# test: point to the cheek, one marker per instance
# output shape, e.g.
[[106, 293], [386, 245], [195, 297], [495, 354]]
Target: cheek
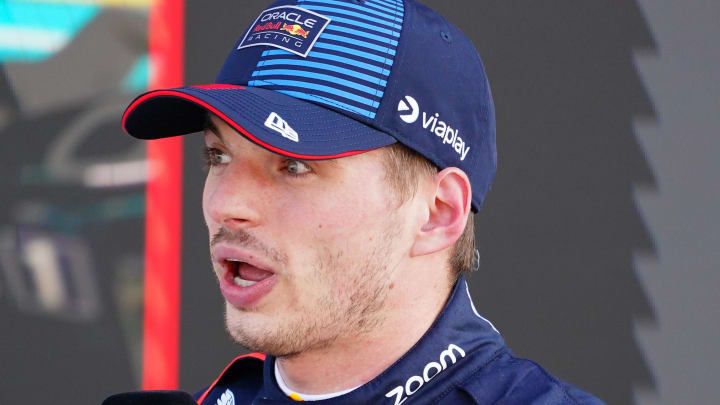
[[338, 216], [211, 226], [204, 203], [205, 198], [208, 189]]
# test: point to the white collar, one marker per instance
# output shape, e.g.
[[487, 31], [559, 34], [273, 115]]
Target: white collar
[[305, 397]]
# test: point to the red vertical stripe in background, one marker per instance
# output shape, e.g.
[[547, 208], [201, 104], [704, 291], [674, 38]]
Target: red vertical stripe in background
[[161, 342]]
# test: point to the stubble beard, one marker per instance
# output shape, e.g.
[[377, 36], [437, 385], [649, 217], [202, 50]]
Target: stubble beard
[[352, 303]]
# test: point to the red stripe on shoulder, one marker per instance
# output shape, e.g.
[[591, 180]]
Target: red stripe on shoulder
[[257, 356]]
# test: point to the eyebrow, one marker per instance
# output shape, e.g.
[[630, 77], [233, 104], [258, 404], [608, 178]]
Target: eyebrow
[[209, 125], [331, 162]]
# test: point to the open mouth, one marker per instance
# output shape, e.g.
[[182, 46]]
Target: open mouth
[[244, 274]]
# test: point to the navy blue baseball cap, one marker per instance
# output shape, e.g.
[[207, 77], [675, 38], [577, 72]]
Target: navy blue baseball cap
[[324, 79]]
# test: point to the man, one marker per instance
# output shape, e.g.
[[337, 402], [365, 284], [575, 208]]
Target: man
[[348, 143]]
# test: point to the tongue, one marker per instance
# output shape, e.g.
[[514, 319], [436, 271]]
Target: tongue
[[251, 273]]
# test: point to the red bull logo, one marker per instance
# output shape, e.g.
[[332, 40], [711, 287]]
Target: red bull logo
[[296, 30], [268, 26]]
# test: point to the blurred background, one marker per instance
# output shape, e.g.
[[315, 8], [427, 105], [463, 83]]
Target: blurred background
[[600, 240]]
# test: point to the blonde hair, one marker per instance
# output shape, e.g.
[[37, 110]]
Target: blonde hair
[[403, 170]]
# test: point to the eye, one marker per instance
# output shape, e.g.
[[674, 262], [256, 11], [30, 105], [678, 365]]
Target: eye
[[214, 157], [297, 167]]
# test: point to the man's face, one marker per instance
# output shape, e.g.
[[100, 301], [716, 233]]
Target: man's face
[[305, 251]]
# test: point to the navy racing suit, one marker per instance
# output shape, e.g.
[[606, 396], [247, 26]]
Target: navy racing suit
[[461, 359]]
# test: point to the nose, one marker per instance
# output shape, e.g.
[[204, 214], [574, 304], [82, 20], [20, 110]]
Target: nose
[[233, 197]]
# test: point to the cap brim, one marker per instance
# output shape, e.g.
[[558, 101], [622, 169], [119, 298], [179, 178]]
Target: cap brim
[[319, 133]]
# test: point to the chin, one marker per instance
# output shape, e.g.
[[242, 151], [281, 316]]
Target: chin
[[249, 329], [270, 335], [244, 321]]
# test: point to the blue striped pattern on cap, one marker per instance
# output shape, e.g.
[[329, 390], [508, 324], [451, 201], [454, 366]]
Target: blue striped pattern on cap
[[349, 65]]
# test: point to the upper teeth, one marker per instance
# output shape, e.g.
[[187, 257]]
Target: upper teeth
[[242, 282]]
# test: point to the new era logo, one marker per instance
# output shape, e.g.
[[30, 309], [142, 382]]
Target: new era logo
[[279, 125]]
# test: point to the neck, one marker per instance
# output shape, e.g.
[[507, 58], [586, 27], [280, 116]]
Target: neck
[[412, 306]]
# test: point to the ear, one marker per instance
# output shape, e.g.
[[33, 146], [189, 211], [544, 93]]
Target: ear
[[449, 201]]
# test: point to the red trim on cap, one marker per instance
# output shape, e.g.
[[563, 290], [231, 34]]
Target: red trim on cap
[[218, 86], [163, 211], [176, 93], [258, 356]]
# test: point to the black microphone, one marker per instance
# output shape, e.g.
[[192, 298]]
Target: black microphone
[[151, 398]]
